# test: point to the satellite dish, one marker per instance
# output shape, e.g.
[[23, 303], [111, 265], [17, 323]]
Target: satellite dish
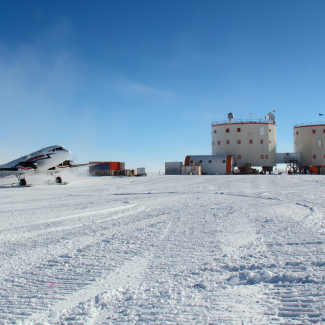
[[230, 117], [270, 116]]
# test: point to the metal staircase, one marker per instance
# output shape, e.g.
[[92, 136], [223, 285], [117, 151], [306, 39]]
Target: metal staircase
[[295, 164]]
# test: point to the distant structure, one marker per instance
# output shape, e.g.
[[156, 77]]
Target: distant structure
[[141, 171], [177, 168], [173, 168], [250, 142], [309, 140], [212, 164], [114, 168], [107, 168]]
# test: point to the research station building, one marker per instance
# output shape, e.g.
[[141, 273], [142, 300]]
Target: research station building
[[309, 140], [248, 141]]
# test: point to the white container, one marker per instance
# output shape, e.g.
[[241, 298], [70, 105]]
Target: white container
[[141, 171], [173, 167]]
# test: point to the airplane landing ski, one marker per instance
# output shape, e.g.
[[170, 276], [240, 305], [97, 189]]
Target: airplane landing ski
[[18, 185], [55, 183]]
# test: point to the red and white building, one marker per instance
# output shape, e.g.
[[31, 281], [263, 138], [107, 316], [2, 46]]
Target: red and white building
[[248, 141], [309, 140]]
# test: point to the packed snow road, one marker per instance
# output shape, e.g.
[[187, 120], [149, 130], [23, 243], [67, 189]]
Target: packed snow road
[[164, 250]]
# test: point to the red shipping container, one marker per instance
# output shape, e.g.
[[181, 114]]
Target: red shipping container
[[113, 165], [109, 165]]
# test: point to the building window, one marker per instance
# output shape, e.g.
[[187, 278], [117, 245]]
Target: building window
[[314, 156], [324, 130], [227, 141], [215, 131], [239, 156], [223, 161], [261, 130], [262, 157], [319, 143], [210, 161], [238, 129], [191, 161], [266, 157], [200, 161], [314, 131], [250, 141], [213, 143], [227, 130], [298, 132], [218, 143], [238, 141], [269, 130], [261, 141]]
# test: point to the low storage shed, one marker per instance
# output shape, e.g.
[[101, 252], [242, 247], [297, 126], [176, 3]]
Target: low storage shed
[[212, 164], [173, 167]]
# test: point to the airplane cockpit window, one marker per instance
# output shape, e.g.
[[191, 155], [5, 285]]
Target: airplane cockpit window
[[59, 148]]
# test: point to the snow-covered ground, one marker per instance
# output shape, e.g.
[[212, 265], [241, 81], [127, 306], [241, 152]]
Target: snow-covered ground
[[163, 250]]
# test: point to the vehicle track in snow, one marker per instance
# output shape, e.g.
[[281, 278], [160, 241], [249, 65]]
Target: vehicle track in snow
[[188, 240], [75, 264], [170, 249], [300, 291], [293, 282]]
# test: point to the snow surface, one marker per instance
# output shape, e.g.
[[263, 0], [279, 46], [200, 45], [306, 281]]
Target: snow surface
[[163, 250]]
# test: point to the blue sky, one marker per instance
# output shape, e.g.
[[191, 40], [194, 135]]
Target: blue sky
[[142, 81]]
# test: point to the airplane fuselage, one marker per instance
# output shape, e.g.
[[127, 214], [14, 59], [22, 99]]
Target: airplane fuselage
[[45, 160]]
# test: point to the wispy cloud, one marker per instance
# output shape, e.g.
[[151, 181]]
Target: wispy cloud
[[149, 94], [38, 74], [39, 84]]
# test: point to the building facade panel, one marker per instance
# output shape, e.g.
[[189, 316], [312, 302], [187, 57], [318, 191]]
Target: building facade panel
[[310, 141], [249, 143]]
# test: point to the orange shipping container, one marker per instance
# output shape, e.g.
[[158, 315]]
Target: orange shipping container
[[105, 165], [113, 165]]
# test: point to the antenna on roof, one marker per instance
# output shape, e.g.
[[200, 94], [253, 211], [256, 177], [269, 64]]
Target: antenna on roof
[[230, 117], [270, 116]]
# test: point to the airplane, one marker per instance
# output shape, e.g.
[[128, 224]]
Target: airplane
[[50, 160]]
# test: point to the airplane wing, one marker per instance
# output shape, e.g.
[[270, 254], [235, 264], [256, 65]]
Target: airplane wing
[[9, 169], [23, 165], [71, 165], [80, 165]]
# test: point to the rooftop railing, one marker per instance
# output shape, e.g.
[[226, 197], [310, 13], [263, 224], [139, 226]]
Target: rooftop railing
[[261, 120], [309, 124]]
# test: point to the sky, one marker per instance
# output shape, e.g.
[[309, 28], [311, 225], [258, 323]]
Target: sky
[[142, 81]]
